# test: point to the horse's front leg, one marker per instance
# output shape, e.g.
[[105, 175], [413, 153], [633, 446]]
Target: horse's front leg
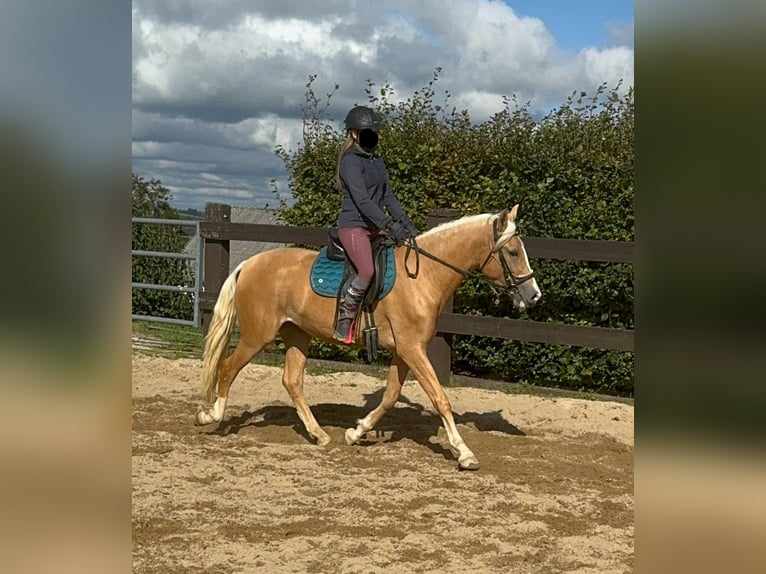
[[397, 372], [418, 361]]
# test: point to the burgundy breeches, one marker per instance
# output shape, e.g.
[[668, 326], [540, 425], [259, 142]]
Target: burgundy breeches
[[356, 242]]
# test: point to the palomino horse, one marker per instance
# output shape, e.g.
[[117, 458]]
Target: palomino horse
[[270, 294]]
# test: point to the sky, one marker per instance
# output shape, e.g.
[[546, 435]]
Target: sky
[[218, 84]]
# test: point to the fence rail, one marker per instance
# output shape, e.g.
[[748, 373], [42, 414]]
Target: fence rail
[[555, 333], [537, 248]]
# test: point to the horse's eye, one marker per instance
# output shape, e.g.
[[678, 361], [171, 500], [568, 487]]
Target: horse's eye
[[513, 253]]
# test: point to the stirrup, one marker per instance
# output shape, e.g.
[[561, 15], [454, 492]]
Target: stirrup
[[344, 331]]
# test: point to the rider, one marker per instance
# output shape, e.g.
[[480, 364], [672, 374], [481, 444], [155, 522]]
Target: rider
[[362, 178]]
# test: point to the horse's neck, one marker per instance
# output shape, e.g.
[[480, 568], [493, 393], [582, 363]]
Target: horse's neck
[[459, 246], [463, 245]]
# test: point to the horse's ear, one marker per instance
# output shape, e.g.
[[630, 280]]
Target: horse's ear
[[502, 221], [514, 212]]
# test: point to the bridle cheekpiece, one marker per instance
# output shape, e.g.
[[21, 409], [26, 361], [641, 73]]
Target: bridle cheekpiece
[[496, 252]]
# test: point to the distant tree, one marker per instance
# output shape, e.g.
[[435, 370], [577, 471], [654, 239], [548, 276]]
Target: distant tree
[[151, 199], [195, 213]]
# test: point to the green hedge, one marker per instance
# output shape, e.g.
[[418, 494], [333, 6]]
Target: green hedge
[[572, 173]]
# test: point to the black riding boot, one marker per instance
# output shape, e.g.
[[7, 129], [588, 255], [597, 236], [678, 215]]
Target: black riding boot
[[349, 307]]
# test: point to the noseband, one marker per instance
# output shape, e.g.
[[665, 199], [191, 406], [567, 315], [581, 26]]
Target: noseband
[[511, 281]]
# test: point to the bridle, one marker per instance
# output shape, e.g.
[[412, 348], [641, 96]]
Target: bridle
[[512, 281]]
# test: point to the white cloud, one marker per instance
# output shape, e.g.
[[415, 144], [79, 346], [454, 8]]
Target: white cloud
[[271, 130], [498, 44], [297, 38], [211, 177], [481, 104], [610, 65]]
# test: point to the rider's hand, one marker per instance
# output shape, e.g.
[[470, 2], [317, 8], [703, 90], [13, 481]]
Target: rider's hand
[[397, 232], [410, 227]]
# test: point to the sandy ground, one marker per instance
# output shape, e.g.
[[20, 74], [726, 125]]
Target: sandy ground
[[253, 494]]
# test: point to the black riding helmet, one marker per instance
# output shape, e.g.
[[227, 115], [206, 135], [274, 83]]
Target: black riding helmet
[[360, 118]]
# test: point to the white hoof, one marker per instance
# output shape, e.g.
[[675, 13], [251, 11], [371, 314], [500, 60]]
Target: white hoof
[[350, 436], [204, 418], [214, 414], [323, 440], [470, 462]]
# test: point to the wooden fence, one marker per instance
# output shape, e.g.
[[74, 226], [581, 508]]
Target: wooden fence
[[217, 231]]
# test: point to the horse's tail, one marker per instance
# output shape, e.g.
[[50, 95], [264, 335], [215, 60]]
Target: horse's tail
[[219, 334]]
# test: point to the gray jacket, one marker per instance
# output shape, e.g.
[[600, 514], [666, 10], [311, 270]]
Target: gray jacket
[[366, 192]]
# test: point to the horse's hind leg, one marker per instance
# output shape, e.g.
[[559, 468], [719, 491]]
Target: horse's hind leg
[[230, 368], [418, 361], [297, 343], [397, 372]]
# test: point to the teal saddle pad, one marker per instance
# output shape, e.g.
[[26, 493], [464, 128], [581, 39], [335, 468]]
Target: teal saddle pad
[[327, 274]]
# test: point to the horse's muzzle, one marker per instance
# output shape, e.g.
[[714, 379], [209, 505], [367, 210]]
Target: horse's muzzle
[[527, 295]]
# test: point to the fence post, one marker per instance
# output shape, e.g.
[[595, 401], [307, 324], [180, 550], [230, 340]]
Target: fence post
[[216, 253], [440, 349]]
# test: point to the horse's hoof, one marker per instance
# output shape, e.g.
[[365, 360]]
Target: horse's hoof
[[470, 463], [323, 440], [202, 419], [349, 436]]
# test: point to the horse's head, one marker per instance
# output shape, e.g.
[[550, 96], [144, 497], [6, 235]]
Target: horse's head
[[507, 263]]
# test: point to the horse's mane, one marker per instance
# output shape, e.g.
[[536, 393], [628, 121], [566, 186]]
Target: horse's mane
[[456, 223]]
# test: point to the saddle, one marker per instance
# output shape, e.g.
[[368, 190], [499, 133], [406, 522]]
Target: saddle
[[332, 272]]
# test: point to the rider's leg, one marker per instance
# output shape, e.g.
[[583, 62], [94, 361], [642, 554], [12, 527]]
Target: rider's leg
[[356, 243]]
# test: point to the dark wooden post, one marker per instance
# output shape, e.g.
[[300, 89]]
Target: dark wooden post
[[440, 350], [216, 259]]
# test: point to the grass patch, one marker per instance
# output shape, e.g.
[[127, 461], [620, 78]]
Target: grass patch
[[170, 333]]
